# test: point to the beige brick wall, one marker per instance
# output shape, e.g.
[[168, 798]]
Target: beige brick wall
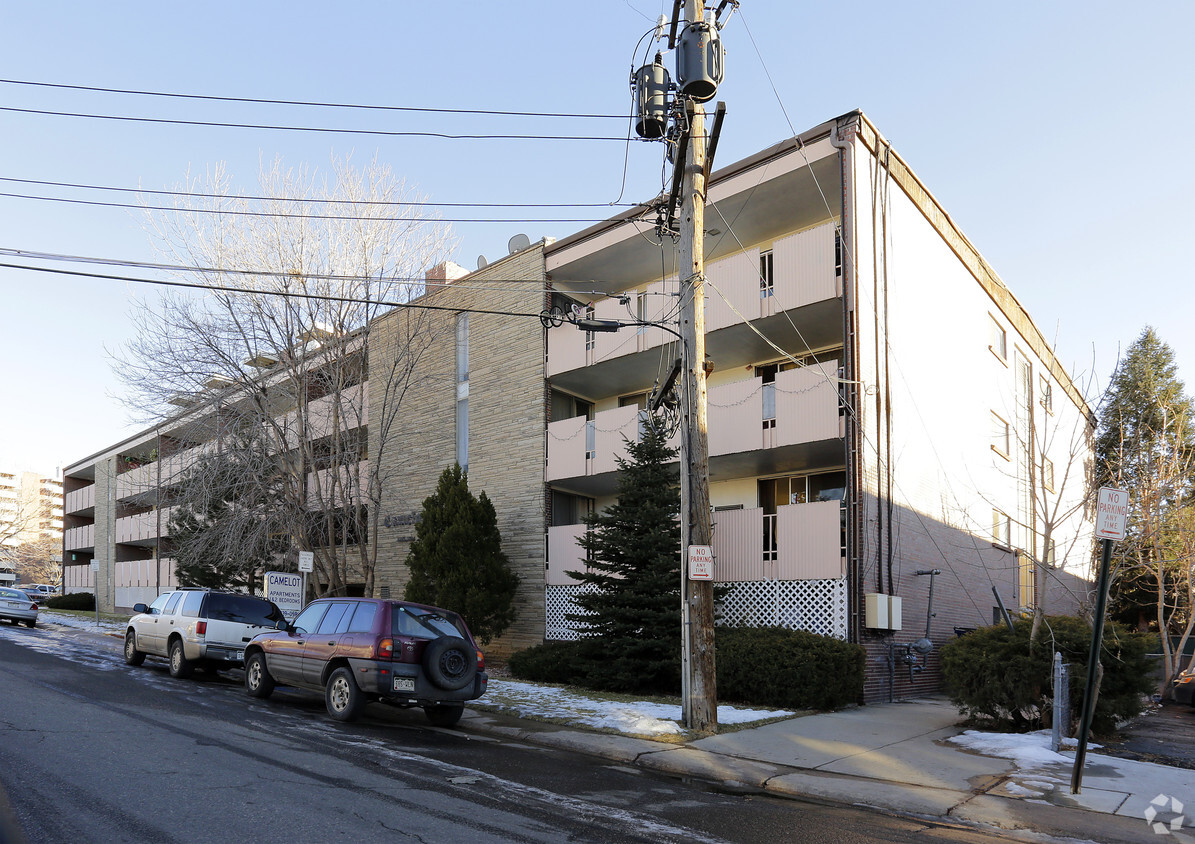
[[506, 422]]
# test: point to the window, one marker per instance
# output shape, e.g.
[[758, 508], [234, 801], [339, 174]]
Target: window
[[1001, 529], [837, 253], [999, 339], [331, 621], [363, 618], [1047, 395], [462, 347], [308, 619], [767, 280], [172, 603], [191, 604], [156, 607], [1047, 474], [999, 435], [590, 337]]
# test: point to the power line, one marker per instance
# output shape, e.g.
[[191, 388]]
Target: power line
[[244, 213], [366, 202], [249, 291], [328, 129], [313, 104]]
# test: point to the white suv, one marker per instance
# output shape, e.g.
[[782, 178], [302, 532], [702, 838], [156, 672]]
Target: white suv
[[198, 627]]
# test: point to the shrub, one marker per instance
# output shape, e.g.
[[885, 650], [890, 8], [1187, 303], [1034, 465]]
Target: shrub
[[993, 675], [551, 662], [73, 601], [774, 666]]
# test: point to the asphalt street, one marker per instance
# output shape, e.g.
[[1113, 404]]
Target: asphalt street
[[94, 750]]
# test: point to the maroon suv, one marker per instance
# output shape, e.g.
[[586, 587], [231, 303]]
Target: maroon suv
[[359, 649]]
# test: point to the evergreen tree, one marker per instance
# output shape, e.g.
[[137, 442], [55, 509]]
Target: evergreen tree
[[1145, 445], [456, 560], [631, 618]]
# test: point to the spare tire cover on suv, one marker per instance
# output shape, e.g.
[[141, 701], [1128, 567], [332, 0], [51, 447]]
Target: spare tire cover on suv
[[450, 663]]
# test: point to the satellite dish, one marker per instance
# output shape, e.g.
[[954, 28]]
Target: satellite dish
[[518, 243], [482, 263]]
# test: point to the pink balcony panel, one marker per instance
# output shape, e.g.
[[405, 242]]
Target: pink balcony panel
[[613, 344], [611, 429], [735, 417], [804, 268], [732, 284], [566, 449], [807, 404], [564, 555], [809, 541], [738, 545], [566, 349]]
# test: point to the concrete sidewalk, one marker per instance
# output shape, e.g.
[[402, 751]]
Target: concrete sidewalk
[[895, 757]]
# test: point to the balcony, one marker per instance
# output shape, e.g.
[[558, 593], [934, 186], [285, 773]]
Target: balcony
[[79, 500], [754, 428], [804, 294], [78, 538], [798, 542], [142, 529]]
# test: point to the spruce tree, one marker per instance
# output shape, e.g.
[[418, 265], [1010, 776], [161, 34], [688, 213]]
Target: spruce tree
[[631, 618], [1145, 445], [456, 560]]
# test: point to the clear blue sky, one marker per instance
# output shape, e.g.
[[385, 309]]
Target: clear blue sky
[[1054, 134]]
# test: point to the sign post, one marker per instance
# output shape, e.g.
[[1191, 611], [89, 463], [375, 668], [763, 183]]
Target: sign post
[[1112, 510], [286, 590], [306, 564]]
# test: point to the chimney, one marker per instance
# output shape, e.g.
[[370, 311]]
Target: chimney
[[443, 274]]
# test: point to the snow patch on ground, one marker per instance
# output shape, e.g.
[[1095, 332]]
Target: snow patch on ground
[[1028, 750], [80, 622], [640, 718]]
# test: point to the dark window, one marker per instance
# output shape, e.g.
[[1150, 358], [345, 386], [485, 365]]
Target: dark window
[[333, 617], [172, 603], [425, 624], [191, 604], [362, 621], [244, 609], [309, 618]]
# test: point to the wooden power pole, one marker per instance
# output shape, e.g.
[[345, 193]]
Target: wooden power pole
[[700, 705]]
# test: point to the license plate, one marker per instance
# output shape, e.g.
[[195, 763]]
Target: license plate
[[404, 684], [240, 656]]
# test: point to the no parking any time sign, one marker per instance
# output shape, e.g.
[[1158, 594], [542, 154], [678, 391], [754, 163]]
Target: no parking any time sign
[[1111, 513]]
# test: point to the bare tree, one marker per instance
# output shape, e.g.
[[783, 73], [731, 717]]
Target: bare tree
[[38, 560], [282, 354]]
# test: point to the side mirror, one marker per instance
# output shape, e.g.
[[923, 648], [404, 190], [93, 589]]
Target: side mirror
[[140, 608]]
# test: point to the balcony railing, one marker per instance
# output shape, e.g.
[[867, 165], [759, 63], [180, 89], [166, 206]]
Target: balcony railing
[[798, 542], [803, 273], [76, 538], [79, 499], [803, 408]]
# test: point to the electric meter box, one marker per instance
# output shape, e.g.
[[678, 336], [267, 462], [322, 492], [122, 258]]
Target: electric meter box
[[882, 612]]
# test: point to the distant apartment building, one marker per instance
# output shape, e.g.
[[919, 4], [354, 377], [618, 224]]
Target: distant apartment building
[[885, 422], [30, 507]]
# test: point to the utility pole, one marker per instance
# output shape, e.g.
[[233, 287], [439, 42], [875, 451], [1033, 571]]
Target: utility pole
[[699, 687]]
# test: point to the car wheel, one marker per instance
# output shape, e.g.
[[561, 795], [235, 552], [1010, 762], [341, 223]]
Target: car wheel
[[444, 715], [450, 663], [31, 623], [132, 656], [258, 682], [180, 666], [342, 696]]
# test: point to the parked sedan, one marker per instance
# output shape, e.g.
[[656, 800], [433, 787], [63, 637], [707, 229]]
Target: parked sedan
[[360, 649], [17, 607]]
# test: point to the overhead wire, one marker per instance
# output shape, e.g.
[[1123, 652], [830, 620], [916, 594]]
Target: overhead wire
[[388, 133], [313, 200], [308, 103]]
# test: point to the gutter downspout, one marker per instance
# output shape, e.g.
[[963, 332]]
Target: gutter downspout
[[844, 143]]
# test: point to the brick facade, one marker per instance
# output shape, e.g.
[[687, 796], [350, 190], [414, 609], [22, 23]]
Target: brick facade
[[506, 413]]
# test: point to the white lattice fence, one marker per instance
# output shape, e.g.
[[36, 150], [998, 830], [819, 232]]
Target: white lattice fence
[[819, 606]]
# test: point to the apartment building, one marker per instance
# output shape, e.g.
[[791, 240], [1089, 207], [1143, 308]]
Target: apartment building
[[886, 422], [30, 507]]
